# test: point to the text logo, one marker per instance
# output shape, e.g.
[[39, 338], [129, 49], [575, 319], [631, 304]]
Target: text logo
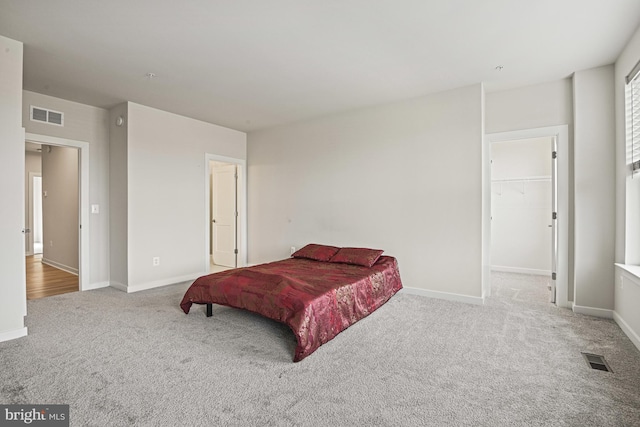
[[34, 415]]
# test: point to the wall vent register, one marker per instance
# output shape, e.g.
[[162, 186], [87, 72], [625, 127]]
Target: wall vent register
[[44, 115]]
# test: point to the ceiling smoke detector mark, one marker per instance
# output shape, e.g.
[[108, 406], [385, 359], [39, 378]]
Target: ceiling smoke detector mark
[[596, 362]]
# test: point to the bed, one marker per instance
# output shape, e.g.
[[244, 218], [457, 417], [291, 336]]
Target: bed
[[318, 292]]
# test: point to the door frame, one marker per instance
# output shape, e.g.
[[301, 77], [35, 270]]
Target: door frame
[[561, 133], [83, 205], [30, 217], [241, 238]]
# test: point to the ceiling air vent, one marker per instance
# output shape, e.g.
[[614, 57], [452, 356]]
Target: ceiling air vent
[[47, 116]]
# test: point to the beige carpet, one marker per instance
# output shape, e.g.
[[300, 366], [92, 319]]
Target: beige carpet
[[135, 359]]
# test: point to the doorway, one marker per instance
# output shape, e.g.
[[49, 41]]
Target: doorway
[[52, 217], [81, 239], [35, 223], [560, 136], [33, 208], [522, 201], [226, 213]]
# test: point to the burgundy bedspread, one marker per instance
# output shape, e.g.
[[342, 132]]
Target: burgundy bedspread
[[317, 300]]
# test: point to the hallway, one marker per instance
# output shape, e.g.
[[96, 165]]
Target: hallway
[[44, 280]]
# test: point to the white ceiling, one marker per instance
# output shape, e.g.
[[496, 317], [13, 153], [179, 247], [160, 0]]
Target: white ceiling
[[252, 64]]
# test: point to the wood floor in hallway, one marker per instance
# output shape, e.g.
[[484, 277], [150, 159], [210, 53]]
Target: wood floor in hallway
[[45, 281]]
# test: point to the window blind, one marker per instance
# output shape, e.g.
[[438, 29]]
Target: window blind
[[633, 118]]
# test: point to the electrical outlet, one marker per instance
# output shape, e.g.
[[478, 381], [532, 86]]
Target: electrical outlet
[[51, 243], [621, 282], [293, 249], [156, 261]]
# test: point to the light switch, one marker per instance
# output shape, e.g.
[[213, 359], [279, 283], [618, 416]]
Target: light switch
[[95, 209]]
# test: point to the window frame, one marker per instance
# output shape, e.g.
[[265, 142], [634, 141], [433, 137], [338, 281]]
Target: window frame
[[632, 118]]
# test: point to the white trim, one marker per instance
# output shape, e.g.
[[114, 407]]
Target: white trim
[[60, 266], [84, 249], [520, 270], [31, 246], [12, 335], [631, 271], [561, 132], [592, 311], [242, 207], [119, 286], [443, 295], [156, 283], [97, 285], [633, 336]]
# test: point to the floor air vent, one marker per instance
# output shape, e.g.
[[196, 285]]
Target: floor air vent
[[596, 362]]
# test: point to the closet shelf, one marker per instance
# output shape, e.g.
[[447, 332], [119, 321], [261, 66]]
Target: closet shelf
[[523, 179]]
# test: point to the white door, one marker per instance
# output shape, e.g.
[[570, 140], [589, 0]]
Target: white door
[[554, 217], [224, 215], [13, 294]]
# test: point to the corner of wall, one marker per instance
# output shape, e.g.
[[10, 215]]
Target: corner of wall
[[118, 194]]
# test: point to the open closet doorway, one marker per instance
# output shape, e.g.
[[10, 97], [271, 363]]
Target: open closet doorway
[[529, 201], [225, 214], [522, 227]]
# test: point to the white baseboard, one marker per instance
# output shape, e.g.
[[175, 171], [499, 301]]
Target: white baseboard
[[119, 286], [96, 285], [155, 284], [443, 295], [12, 335], [592, 311], [633, 336], [519, 270], [60, 266]]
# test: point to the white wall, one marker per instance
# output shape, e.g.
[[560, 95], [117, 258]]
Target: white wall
[[521, 206], [13, 295], [404, 177], [627, 246], [118, 196], [60, 208], [529, 107], [166, 177], [594, 191], [91, 125]]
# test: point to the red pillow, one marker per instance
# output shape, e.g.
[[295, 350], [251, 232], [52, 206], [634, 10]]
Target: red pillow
[[357, 256], [316, 252]]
